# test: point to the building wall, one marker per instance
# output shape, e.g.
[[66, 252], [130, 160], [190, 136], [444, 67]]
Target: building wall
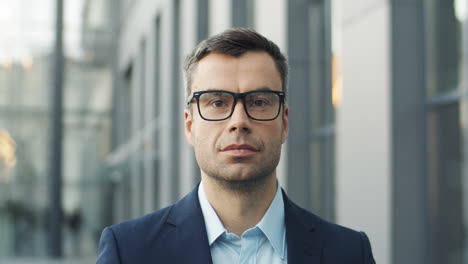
[[363, 184]]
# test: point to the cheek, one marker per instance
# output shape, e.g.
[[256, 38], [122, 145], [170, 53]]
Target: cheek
[[278, 131], [204, 138]]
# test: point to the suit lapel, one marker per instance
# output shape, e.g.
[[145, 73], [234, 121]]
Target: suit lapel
[[187, 241], [304, 245]]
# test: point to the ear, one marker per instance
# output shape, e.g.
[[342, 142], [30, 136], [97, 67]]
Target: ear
[[188, 120], [285, 120]]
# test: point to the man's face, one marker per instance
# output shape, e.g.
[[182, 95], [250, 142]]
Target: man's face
[[238, 149]]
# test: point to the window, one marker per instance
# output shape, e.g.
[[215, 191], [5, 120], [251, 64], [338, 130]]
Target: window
[[311, 135], [321, 111], [243, 13], [447, 134], [176, 100], [156, 100], [125, 120]]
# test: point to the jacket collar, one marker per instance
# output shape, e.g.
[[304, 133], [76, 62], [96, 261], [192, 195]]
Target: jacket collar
[[188, 225], [188, 242], [304, 245]]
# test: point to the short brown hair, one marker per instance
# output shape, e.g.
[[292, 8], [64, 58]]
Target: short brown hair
[[235, 42]]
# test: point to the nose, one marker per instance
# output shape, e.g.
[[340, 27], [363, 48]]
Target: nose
[[239, 120]]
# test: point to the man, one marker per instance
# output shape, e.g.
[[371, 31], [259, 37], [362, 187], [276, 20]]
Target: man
[[236, 120]]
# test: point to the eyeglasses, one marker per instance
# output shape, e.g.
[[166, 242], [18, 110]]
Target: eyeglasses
[[218, 105]]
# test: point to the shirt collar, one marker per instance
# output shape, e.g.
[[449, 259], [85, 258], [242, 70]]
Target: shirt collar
[[214, 227], [272, 223]]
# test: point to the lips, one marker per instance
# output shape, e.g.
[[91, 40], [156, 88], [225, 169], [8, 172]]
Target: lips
[[240, 147], [240, 150]]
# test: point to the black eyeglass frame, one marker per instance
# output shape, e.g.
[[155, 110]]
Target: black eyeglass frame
[[237, 96]]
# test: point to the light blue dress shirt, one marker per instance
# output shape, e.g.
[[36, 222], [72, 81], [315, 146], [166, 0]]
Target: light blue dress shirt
[[263, 244]]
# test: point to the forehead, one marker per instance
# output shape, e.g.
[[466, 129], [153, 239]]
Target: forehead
[[253, 70]]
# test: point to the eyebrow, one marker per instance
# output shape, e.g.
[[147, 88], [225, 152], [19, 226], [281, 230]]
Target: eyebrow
[[261, 88]]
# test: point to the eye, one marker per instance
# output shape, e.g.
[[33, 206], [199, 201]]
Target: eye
[[218, 103], [259, 103]]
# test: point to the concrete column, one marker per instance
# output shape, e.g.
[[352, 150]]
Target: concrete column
[[188, 169], [165, 139], [220, 16], [363, 132], [149, 198]]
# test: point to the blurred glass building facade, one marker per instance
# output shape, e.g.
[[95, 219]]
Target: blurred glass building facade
[[26, 74], [378, 97]]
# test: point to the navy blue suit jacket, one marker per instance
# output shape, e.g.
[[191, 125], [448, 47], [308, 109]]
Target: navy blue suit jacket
[[177, 234]]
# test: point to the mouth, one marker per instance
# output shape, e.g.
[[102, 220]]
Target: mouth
[[240, 150]]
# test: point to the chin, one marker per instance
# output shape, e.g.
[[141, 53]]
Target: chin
[[243, 181]]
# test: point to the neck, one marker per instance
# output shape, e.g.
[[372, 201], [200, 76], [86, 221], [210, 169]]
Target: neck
[[239, 211]]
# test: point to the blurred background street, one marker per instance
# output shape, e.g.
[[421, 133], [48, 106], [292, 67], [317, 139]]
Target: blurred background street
[[91, 118]]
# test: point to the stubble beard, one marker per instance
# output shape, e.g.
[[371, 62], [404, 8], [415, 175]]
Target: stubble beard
[[258, 175]]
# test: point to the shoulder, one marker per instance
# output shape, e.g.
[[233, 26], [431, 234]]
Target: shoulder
[[124, 241], [338, 242], [343, 243], [156, 223], [317, 224], [145, 226], [352, 244], [338, 236], [142, 226], [157, 236]]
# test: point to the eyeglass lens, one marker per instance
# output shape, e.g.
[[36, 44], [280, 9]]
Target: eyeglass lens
[[219, 105]]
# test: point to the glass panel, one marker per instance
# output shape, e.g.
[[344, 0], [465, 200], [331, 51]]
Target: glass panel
[[124, 203], [140, 195], [116, 198], [250, 14], [327, 181], [157, 63], [316, 65], [26, 49], [444, 44], [447, 131], [321, 105], [125, 121], [448, 184], [156, 182], [322, 171], [203, 22], [316, 168], [464, 173], [177, 97], [142, 85], [243, 13], [321, 111], [26, 43]]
